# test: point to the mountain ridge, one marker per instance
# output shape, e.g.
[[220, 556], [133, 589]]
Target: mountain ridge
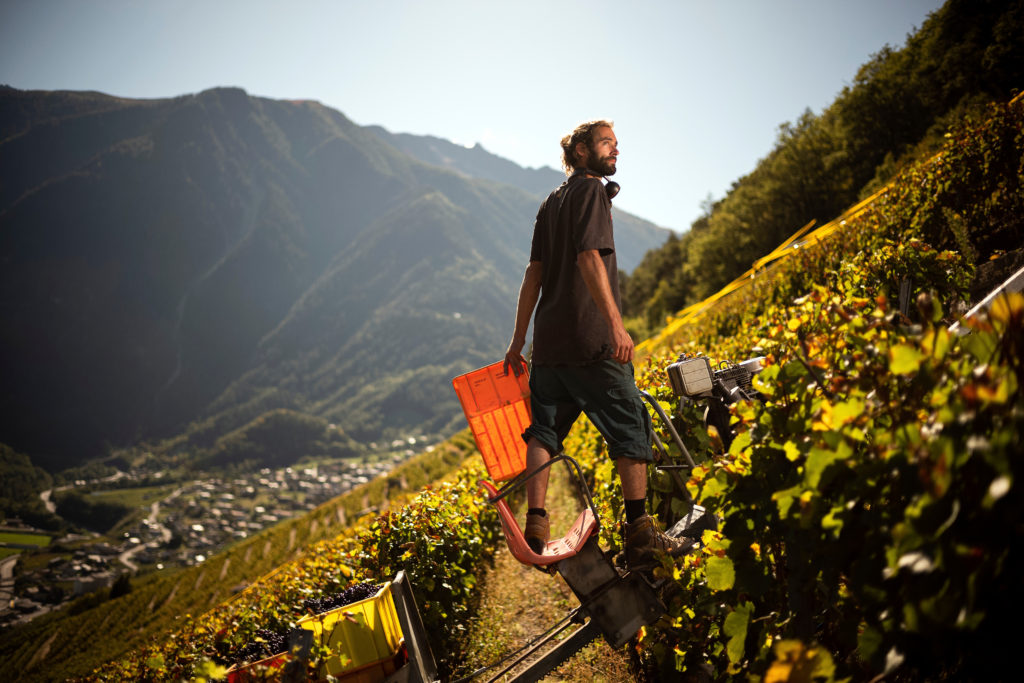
[[473, 162]]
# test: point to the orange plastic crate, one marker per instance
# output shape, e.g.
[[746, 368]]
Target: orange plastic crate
[[497, 407], [263, 670]]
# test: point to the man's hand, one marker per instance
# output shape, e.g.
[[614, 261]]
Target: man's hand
[[514, 357], [622, 345]]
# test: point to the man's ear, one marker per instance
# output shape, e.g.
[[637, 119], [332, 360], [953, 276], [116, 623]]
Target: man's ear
[[582, 151]]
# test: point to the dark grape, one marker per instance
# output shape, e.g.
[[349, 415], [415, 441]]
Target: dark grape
[[269, 643], [354, 593]]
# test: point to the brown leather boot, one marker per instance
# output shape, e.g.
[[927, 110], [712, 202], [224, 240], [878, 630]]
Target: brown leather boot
[[644, 540], [538, 532]]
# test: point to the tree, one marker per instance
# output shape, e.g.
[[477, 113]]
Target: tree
[[122, 586]]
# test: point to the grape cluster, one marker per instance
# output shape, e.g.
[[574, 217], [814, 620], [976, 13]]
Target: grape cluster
[[266, 644], [354, 593]]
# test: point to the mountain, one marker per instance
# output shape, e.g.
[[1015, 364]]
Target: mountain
[[186, 265], [471, 162]]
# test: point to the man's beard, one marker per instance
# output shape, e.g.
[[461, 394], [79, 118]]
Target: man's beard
[[605, 166]]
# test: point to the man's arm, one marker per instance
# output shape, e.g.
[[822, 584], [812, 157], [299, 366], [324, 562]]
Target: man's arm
[[529, 293], [596, 278]]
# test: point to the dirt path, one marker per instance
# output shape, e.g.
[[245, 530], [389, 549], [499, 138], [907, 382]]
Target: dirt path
[[520, 603]]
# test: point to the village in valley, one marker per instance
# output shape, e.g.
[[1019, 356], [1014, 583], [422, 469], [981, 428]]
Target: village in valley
[[184, 524]]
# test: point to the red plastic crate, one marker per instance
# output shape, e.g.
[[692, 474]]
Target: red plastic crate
[[497, 407]]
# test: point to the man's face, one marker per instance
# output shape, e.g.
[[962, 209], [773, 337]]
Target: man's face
[[601, 155]]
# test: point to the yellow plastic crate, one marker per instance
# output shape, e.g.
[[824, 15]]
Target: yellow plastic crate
[[358, 634]]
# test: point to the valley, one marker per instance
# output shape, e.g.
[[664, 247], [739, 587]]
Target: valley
[[186, 523]]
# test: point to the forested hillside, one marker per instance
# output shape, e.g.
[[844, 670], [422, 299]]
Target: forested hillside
[[20, 487], [896, 110], [185, 267]]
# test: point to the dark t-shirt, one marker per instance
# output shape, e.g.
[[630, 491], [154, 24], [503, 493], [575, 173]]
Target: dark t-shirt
[[568, 327]]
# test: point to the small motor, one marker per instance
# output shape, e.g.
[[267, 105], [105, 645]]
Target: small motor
[[691, 376]]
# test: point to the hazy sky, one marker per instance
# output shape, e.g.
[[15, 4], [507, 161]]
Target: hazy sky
[[697, 89]]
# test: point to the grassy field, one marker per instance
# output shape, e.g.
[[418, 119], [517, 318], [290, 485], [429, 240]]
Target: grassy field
[[21, 538]]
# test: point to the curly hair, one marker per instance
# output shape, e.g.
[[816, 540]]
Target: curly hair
[[582, 133]]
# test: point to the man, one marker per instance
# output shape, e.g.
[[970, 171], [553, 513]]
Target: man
[[582, 353]]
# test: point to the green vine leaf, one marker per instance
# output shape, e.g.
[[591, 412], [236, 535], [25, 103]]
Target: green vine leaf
[[735, 629], [904, 359], [721, 573]]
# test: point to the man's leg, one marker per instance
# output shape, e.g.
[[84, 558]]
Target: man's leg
[[538, 526], [633, 476], [614, 405], [553, 412], [537, 487], [643, 538]]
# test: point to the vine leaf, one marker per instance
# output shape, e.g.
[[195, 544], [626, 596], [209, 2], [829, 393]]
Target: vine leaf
[[721, 574], [736, 624], [904, 359]]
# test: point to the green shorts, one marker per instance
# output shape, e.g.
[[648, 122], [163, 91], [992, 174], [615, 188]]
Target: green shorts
[[605, 391]]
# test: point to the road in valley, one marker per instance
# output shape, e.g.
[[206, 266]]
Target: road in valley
[[152, 521]]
